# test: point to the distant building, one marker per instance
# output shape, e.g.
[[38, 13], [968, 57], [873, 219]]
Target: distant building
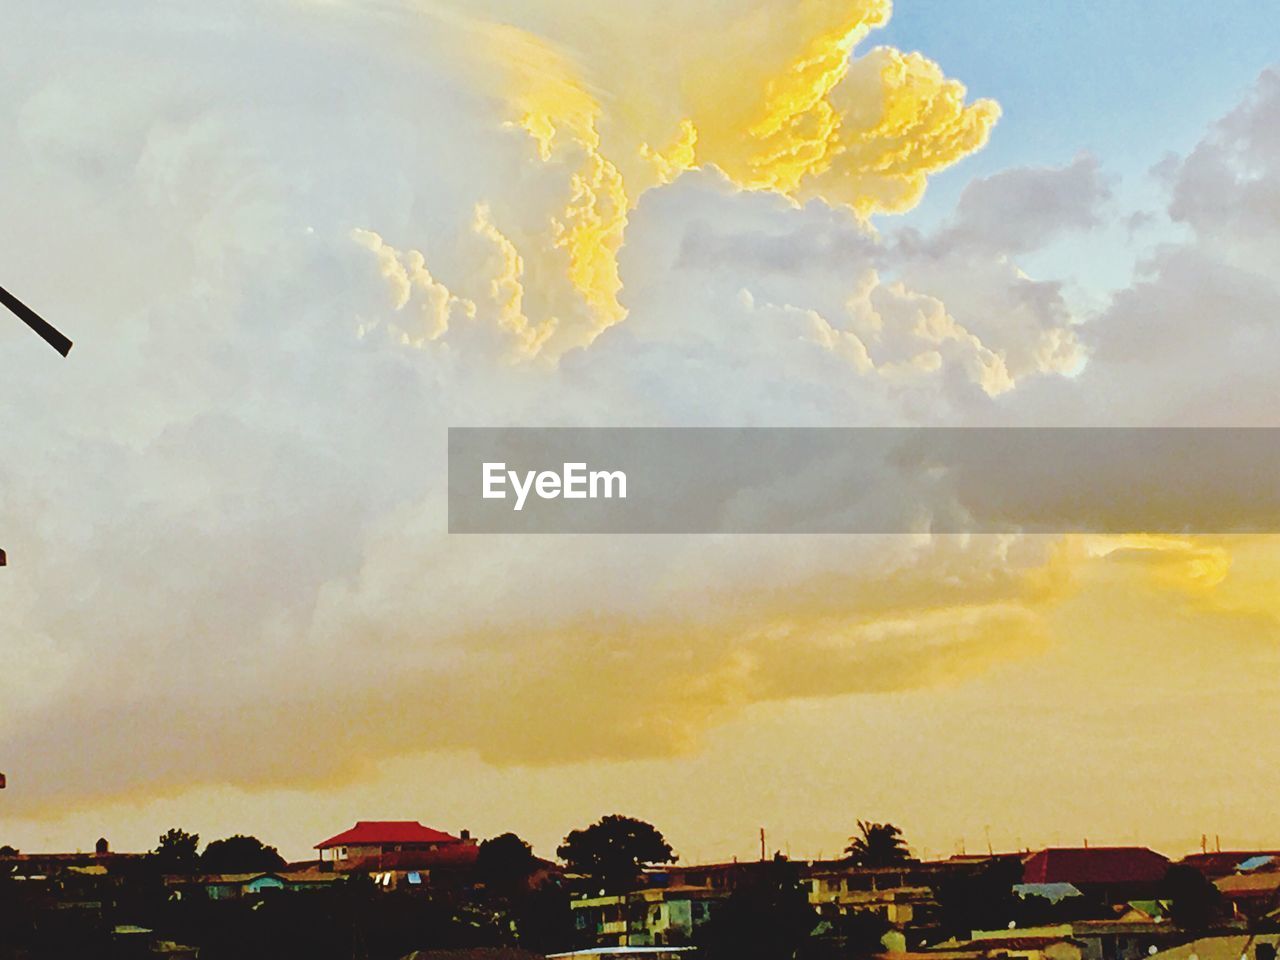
[[624, 953], [1037, 943], [388, 845], [1262, 946], [899, 895], [235, 886], [1254, 894], [655, 917], [1221, 863], [1079, 940], [1108, 874]]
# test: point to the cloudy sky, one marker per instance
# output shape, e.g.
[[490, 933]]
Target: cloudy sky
[[296, 240]]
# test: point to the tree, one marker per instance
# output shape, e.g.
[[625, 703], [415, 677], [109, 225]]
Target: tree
[[767, 917], [240, 854], [505, 863], [877, 845], [861, 933], [544, 920], [1197, 903], [176, 851], [614, 851], [8, 851], [978, 901]]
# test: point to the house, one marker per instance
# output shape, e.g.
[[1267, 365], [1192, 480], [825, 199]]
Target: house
[[1133, 936], [54, 864], [653, 917], [1220, 863], [1108, 874], [623, 953], [1033, 943], [235, 886], [1253, 894], [1079, 940], [396, 844], [899, 895], [1240, 946]]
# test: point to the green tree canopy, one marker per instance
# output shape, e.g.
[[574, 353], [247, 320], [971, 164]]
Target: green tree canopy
[[877, 845], [240, 854], [177, 851], [614, 851]]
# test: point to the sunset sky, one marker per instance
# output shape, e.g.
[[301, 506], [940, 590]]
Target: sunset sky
[[296, 240]]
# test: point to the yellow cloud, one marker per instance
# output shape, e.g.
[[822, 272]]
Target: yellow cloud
[[765, 92]]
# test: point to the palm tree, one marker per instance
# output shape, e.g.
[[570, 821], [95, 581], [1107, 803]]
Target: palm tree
[[877, 845]]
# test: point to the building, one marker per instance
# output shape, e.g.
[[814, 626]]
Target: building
[[1078, 940], [900, 895], [1037, 943], [236, 886], [381, 845], [654, 917], [1221, 863], [625, 953], [1240, 946], [1107, 874], [1255, 894]]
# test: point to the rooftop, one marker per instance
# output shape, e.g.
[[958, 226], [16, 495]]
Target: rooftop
[[376, 832], [1095, 865]]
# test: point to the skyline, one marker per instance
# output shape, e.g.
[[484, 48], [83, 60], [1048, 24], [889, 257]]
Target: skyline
[[295, 241]]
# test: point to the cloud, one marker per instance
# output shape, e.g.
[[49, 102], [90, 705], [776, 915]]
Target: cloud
[[1024, 209], [1205, 302], [781, 109], [224, 516]]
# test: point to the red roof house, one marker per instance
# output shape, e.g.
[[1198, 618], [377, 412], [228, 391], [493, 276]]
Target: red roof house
[[387, 832], [1125, 871], [377, 843]]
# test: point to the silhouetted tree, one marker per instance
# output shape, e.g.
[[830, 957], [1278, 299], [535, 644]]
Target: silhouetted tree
[[614, 850], [877, 845], [1197, 903], [861, 933], [768, 917], [177, 851], [504, 863], [544, 920], [240, 854], [8, 851], [978, 901]]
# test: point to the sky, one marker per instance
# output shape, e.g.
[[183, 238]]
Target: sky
[[296, 240]]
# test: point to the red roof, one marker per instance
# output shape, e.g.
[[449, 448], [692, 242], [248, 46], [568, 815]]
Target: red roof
[[1084, 865], [373, 833], [1223, 863]]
